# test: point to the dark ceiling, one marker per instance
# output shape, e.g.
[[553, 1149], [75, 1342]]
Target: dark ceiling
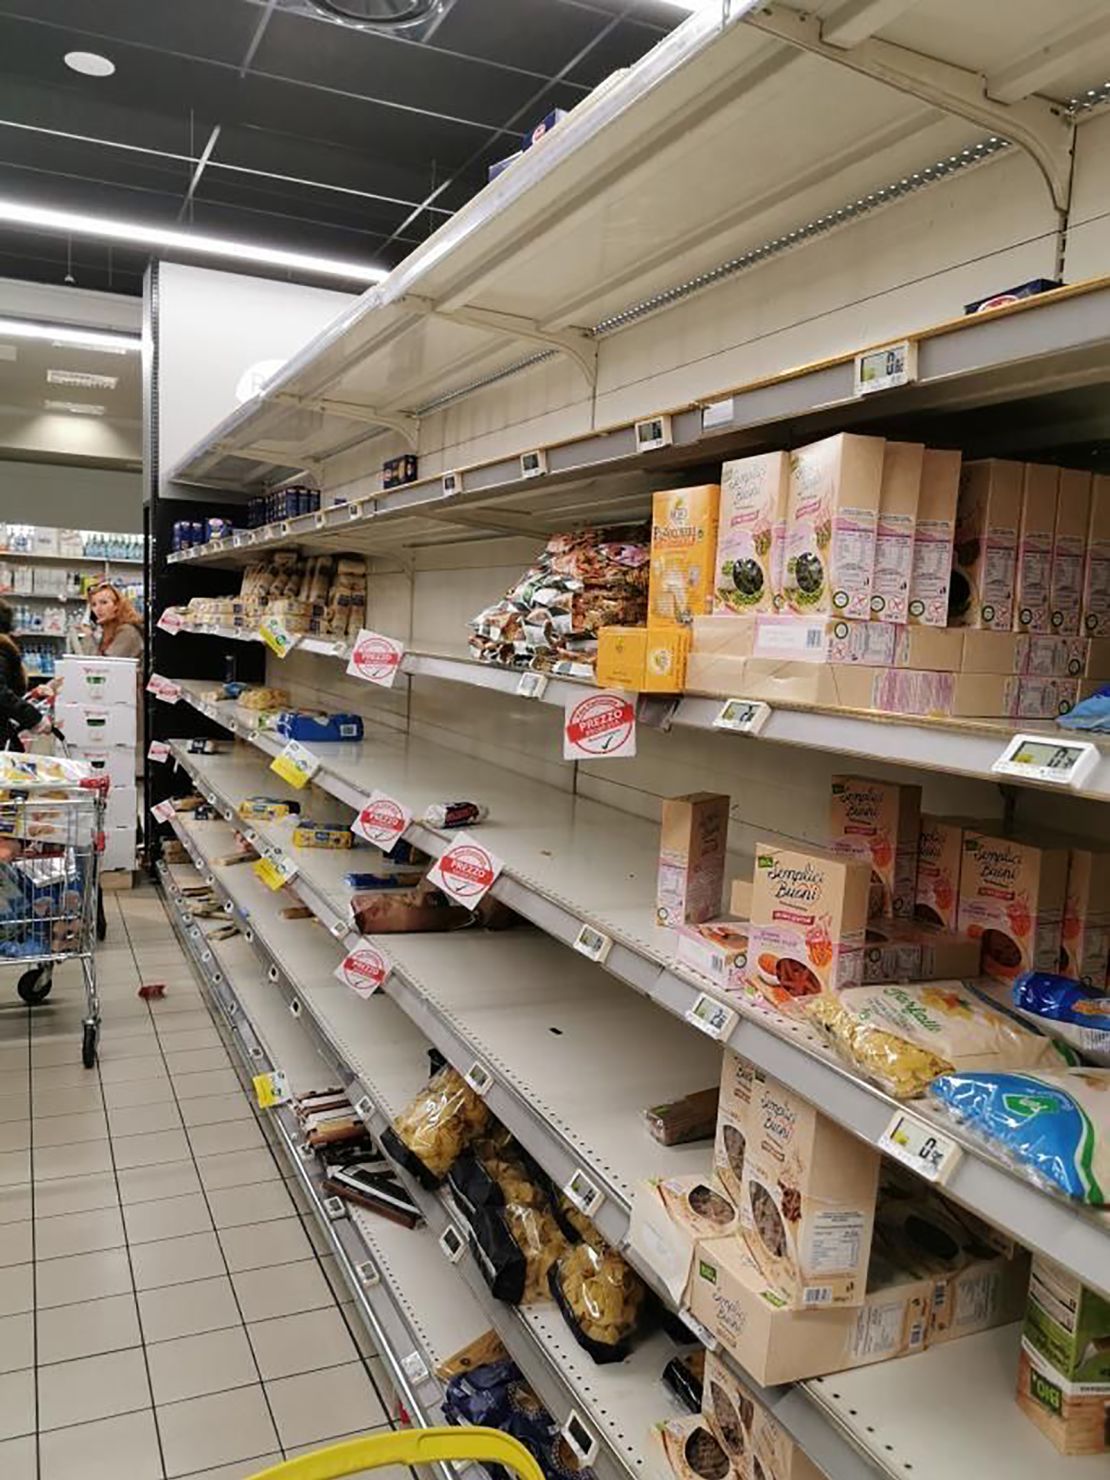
[[261, 120]]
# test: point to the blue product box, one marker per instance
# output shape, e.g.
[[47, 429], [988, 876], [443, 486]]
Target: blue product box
[[318, 729], [545, 125], [398, 470], [1012, 295], [501, 165]]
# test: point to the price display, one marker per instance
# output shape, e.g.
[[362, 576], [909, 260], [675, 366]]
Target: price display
[[712, 1017], [886, 368], [921, 1146], [742, 716], [1041, 758]]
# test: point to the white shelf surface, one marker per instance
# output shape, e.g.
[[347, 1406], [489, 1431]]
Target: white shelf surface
[[569, 861]]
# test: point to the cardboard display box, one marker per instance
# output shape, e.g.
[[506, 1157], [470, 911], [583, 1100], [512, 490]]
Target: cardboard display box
[[879, 822], [988, 518], [1069, 551], [1012, 895], [898, 500], [691, 858], [831, 522], [683, 550], [933, 538], [751, 533]]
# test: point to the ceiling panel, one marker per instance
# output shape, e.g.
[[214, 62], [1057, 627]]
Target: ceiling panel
[[220, 29]]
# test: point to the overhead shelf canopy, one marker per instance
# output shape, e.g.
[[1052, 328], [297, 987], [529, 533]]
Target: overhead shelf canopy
[[732, 140]]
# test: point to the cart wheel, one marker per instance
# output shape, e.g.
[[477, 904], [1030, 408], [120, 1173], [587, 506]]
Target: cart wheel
[[35, 986], [88, 1045]]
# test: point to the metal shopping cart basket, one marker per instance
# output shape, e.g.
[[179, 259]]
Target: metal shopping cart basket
[[412, 1447], [51, 836]]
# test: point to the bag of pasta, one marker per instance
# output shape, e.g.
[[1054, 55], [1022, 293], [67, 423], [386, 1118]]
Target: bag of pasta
[[436, 1127], [512, 1232], [603, 1300]]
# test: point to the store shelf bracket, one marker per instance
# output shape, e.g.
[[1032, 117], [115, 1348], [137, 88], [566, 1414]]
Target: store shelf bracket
[[1033, 124], [577, 344], [398, 421]]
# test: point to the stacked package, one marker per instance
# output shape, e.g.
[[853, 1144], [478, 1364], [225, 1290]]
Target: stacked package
[[550, 619], [321, 595]]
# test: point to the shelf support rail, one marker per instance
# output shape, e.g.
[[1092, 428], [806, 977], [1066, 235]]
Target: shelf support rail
[[1041, 128], [577, 344], [403, 422]]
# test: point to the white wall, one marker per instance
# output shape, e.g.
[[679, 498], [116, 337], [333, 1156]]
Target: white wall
[[71, 497]]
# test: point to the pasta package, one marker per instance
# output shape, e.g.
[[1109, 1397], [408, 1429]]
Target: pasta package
[[1053, 1123], [756, 1443], [1076, 1014], [513, 1232], [436, 1127], [903, 1036], [602, 1299]]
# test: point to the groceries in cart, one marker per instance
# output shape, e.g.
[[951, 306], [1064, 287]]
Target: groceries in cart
[[41, 904]]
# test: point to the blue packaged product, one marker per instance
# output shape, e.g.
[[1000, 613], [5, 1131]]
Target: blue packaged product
[[217, 529], [1066, 1009], [1054, 1123], [196, 536], [481, 1396], [318, 728], [1091, 713]]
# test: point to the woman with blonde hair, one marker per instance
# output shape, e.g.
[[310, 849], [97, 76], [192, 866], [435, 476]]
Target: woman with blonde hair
[[119, 628]]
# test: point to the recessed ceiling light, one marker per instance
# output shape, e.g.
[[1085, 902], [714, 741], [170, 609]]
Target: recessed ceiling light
[[86, 379], [89, 63], [76, 408], [69, 336]]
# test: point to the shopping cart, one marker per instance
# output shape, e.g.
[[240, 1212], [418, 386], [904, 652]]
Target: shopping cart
[[51, 836], [412, 1447]]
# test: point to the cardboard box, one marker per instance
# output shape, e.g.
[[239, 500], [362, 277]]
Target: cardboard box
[[990, 652], [824, 639], [1041, 698], [1085, 932], [119, 847], [118, 764], [718, 950], [940, 849], [683, 550], [98, 680], [988, 517], [1074, 1419], [1032, 588], [1064, 1369], [740, 899], [878, 822], [747, 1432], [722, 635], [665, 660], [832, 517], [751, 533], [1012, 898], [122, 807], [97, 726], [621, 653], [933, 538], [898, 499], [1069, 550], [1096, 569], [691, 858], [1045, 656], [734, 1113], [775, 1344], [807, 1200], [45, 540], [669, 1216], [913, 951], [809, 914], [940, 649], [691, 1451], [1088, 657]]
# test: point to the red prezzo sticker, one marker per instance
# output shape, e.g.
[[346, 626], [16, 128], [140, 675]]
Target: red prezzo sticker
[[382, 821], [465, 871], [599, 727], [375, 658], [363, 969], [171, 621], [158, 750]]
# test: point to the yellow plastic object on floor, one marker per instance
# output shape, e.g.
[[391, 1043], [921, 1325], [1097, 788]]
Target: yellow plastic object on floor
[[413, 1447]]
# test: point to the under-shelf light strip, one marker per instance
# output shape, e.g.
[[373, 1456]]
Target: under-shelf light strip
[[1083, 102]]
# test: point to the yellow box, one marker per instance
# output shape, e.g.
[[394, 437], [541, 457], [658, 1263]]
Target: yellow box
[[683, 551], [665, 660], [621, 654]]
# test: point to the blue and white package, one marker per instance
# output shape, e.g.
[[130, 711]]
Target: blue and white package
[[1092, 713], [322, 729], [1054, 1123], [1066, 1009]]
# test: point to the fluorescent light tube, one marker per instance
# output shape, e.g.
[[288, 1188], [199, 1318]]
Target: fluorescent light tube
[[64, 335], [76, 408], [87, 380]]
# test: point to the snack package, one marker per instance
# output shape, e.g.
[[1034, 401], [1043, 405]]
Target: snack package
[[388, 911], [436, 1127], [602, 1299], [903, 1036], [1053, 1123], [693, 1451], [513, 1232], [1067, 1010]]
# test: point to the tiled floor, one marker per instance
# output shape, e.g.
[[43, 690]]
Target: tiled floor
[[165, 1307]]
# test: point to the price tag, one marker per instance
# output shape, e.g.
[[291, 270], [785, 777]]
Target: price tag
[[712, 1017], [273, 633], [363, 969], [452, 484], [283, 528], [653, 434], [703, 1333], [171, 621], [592, 943], [531, 685], [158, 750], [717, 414], [886, 368], [599, 727], [376, 658], [163, 811], [917, 1144], [414, 1367], [354, 511], [271, 1089], [465, 871], [155, 683], [584, 1194], [236, 541], [364, 1108], [533, 464], [1040, 758], [319, 519], [581, 1439], [452, 1243], [479, 1078], [382, 821], [275, 874], [335, 1208], [367, 1272], [742, 716], [296, 765]]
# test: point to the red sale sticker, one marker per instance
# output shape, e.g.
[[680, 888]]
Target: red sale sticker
[[171, 621], [599, 727], [466, 871], [363, 969], [375, 658], [382, 821], [158, 750]]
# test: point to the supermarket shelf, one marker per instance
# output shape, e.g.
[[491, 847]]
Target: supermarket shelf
[[67, 559], [566, 865], [36, 632], [954, 747], [384, 1265]]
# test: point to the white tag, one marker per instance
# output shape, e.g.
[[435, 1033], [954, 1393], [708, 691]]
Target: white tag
[[742, 716], [584, 1194], [335, 1207], [465, 871], [414, 1367], [452, 1243], [531, 685], [283, 527], [886, 368], [363, 969], [533, 464], [276, 636], [479, 1078], [653, 433], [320, 519], [296, 764], [354, 511], [919, 1145], [452, 483], [581, 1439], [712, 1017], [158, 750], [716, 414], [338, 929], [236, 541], [364, 1108], [1041, 758], [382, 821], [171, 621], [376, 658], [163, 811], [367, 1272], [592, 943], [703, 1333], [599, 727]]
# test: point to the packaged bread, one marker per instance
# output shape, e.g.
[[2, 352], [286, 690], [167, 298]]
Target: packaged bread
[[436, 1127], [403, 911], [264, 698], [601, 1297], [903, 1036]]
